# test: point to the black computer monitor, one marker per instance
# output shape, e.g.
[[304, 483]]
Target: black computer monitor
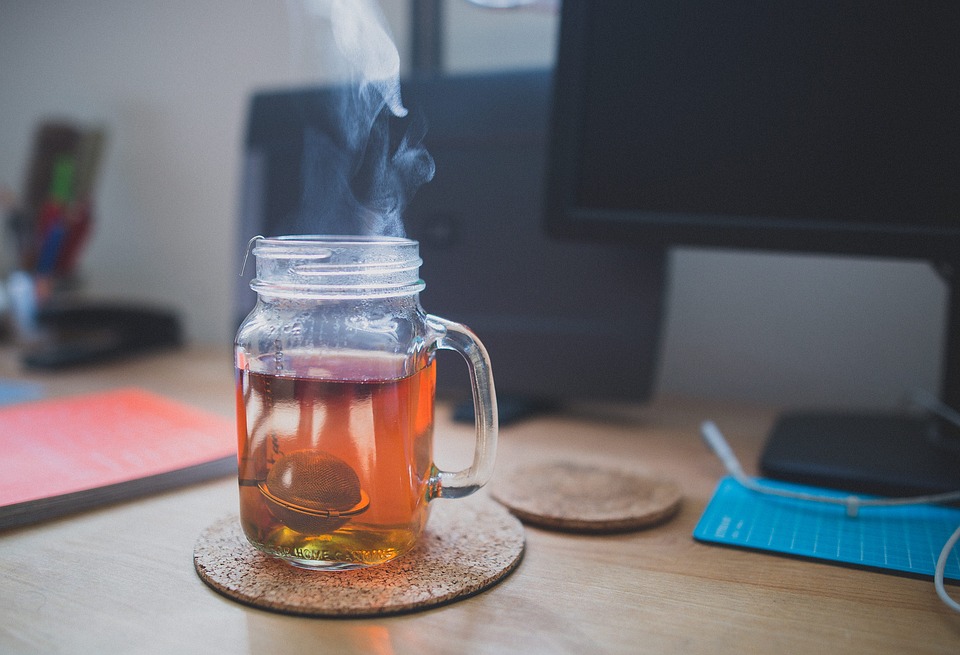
[[798, 125], [552, 315]]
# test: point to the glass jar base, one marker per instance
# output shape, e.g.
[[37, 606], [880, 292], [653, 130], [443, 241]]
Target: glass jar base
[[314, 565], [323, 556], [311, 564]]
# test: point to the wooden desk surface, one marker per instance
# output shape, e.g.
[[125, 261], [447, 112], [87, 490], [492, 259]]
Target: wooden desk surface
[[121, 579]]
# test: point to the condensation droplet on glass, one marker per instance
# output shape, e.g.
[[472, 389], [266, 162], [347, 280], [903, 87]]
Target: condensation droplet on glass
[[278, 355]]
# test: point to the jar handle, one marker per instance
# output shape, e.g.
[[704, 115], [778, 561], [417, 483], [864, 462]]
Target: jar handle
[[454, 336]]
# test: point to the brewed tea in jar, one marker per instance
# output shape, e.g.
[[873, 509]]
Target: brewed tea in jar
[[336, 375]]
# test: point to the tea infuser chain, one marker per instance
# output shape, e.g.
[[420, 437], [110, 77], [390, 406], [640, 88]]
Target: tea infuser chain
[[246, 253]]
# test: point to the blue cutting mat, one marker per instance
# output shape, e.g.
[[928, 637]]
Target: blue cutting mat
[[907, 538]]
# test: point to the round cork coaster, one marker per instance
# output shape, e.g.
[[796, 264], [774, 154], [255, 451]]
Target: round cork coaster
[[574, 497], [468, 546]]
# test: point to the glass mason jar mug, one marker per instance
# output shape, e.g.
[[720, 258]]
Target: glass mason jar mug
[[335, 402]]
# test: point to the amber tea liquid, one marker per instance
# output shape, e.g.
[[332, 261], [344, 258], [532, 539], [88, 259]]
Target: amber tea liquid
[[335, 465]]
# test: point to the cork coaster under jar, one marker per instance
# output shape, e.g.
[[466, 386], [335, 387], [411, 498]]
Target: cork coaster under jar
[[576, 497], [467, 547]]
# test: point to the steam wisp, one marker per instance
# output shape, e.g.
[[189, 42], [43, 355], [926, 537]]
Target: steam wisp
[[364, 159]]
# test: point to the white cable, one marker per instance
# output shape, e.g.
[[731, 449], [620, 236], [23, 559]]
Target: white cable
[[934, 404], [714, 438], [941, 567]]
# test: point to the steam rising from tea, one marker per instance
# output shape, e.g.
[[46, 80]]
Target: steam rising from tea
[[363, 160]]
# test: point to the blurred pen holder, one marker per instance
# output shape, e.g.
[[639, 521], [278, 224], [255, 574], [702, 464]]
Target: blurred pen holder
[[50, 223]]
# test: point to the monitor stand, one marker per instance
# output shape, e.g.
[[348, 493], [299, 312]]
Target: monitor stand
[[510, 409], [884, 454]]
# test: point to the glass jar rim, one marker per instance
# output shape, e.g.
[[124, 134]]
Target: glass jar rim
[[330, 240], [336, 265]]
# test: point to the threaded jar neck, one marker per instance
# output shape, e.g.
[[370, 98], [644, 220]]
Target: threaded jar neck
[[320, 266]]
